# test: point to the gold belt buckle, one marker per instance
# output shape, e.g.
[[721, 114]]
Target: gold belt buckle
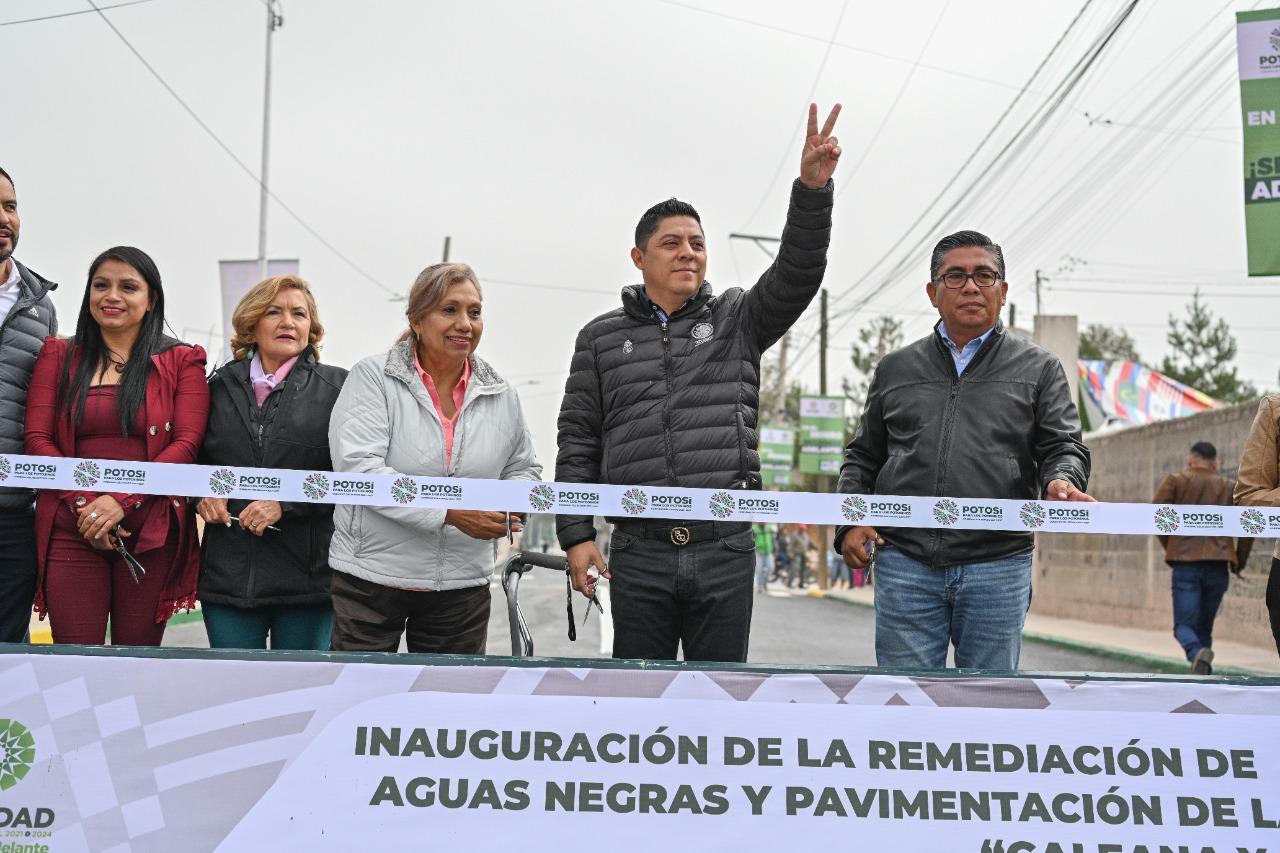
[[680, 535]]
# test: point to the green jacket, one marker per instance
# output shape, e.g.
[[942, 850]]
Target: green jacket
[[764, 538]]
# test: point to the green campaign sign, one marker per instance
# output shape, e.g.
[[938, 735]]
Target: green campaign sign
[[821, 434], [1258, 50], [777, 455]]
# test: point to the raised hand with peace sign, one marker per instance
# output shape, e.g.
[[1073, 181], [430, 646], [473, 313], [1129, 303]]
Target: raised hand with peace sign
[[821, 150]]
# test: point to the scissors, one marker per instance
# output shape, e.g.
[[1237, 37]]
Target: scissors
[[131, 563]]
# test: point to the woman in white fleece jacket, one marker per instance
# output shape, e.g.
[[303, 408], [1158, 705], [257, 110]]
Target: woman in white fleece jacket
[[428, 407]]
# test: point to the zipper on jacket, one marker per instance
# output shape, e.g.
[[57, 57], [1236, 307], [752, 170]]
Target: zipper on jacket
[[948, 423], [666, 402]]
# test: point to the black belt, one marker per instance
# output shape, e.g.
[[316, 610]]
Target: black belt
[[682, 533]]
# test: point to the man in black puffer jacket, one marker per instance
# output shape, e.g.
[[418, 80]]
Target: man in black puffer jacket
[[665, 391], [970, 411], [26, 318]]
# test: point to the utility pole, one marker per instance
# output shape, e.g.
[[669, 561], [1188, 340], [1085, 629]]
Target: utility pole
[[446, 249], [274, 21], [826, 534], [1040, 279]]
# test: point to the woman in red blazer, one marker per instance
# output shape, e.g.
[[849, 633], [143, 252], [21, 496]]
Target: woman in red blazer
[[119, 390]]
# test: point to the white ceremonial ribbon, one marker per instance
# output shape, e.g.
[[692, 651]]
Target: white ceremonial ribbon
[[674, 504]]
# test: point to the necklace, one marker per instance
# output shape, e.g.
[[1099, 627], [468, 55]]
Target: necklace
[[119, 365]]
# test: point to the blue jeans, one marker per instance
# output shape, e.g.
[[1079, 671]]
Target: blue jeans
[[764, 569], [978, 607], [1198, 587]]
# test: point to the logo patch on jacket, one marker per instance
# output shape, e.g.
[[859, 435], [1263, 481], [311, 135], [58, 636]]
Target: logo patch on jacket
[[702, 333], [627, 346]]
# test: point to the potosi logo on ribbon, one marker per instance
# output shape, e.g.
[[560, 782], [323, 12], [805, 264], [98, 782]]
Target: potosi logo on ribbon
[[17, 753], [404, 490], [1032, 515], [721, 504], [542, 497], [315, 486], [6, 468], [946, 512], [86, 474], [222, 482], [634, 501], [853, 508], [1253, 521], [1166, 519]]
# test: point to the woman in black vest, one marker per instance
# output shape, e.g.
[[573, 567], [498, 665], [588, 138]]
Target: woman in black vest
[[265, 563]]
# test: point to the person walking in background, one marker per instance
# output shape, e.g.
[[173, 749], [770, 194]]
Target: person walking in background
[[1200, 563], [1258, 484], [269, 408], [26, 319], [123, 390], [763, 533], [428, 407]]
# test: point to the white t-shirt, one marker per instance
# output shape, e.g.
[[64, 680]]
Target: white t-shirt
[[9, 291]]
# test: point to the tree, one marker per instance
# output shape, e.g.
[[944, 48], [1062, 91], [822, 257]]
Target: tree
[[1203, 350], [877, 339], [1105, 343]]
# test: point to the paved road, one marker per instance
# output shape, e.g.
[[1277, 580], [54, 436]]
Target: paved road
[[786, 628]]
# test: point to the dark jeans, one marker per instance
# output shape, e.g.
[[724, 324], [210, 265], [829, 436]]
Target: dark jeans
[[370, 617], [1198, 587], [297, 626], [1273, 601], [698, 596], [17, 573]]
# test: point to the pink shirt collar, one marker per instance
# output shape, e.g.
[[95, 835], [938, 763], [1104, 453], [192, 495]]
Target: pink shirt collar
[[459, 394], [265, 383]]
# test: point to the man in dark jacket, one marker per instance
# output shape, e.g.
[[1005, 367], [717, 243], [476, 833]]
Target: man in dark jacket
[[26, 318], [665, 391], [1200, 563], [972, 412]]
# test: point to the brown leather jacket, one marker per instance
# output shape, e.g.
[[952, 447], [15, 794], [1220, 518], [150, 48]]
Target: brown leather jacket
[[1204, 487], [1258, 483]]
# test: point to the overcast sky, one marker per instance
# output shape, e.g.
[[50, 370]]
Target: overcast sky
[[535, 133]]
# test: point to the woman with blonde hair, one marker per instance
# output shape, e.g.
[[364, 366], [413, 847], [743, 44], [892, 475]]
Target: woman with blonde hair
[[265, 563], [428, 407]]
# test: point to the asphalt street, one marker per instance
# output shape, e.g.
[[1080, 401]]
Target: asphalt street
[[787, 627]]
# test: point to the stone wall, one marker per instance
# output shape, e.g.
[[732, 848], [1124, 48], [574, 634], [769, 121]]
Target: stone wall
[[1123, 580]]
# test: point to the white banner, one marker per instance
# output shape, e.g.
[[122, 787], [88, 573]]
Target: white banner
[[110, 752], [675, 504]]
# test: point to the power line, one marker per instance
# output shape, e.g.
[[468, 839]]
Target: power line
[[875, 137], [227, 150], [813, 90], [973, 155], [71, 14], [1016, 143], [844, 45]]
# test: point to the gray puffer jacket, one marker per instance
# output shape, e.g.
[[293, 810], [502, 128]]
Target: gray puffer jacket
[[21, 337], [649, 403], [384, 423]]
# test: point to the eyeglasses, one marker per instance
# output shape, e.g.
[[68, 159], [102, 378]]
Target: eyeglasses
[[955, 279]]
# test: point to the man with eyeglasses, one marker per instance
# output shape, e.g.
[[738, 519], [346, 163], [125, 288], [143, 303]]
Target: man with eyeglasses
[[970, 411]]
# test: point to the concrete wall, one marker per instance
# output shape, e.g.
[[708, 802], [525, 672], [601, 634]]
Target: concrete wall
[[1123, 580]]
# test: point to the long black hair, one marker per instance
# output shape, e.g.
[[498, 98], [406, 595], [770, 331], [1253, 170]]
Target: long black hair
[[93, 351]]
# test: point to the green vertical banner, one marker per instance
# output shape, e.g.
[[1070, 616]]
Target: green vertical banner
[[821, 434], [777, 456], [1258, 50]]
